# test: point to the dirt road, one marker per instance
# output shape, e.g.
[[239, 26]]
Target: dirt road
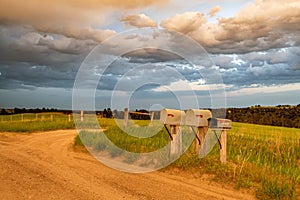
[[44, 166]]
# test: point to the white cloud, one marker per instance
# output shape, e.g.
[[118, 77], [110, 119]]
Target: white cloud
[[138, 20], [214, 11], [258, 26], [257, 89], [184, 23]]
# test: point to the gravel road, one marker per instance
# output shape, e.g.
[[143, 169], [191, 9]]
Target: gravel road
[[45, 166]]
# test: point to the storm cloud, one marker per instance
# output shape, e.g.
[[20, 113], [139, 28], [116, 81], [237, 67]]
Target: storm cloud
[[43, 45]]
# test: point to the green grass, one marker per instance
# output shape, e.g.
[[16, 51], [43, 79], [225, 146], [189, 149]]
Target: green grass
[[35, 122], [265, 159]]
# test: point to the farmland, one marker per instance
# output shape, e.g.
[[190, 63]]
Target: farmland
[[30, 122], [265, 159], [262, 159]]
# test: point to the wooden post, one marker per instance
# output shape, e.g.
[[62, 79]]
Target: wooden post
[[198, 146], [22, 117], [201, 133], [176, 143], [223, 150], [51, 117], [81, 115], [11, 118], [36, 117], [126, 117], [152, 118], [69, 117]]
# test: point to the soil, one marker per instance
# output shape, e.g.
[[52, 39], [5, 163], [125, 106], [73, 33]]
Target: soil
[[45, 166]]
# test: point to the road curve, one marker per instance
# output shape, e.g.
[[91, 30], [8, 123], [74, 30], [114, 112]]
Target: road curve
[[44, 166]]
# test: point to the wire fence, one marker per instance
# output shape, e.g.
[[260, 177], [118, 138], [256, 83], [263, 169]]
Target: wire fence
[[31, 117]]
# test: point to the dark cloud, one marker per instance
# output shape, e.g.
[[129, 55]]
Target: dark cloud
[[30, 59], [26, 76], [151, 55]]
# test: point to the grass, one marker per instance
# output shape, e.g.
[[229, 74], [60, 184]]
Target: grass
[[35, 122], [265, 159]]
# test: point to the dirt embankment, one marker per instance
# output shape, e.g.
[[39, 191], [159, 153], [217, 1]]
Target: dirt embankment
[[44, 166]]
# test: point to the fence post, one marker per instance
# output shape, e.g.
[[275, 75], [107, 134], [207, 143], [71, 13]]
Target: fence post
[[223, 150], [22, 117], [51, 117], [176, 143], [201, 133], [69, 117], [81, 115], [11, 118], [126, 117], [36, 117]]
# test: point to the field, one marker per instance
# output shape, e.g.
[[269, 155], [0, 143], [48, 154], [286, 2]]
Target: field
[[262, 159], [30, 122]]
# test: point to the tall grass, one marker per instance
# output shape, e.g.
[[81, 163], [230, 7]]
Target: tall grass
[[35, 122], [263, 158]]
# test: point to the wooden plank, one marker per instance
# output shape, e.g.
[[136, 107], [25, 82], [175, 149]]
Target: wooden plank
[[176, 143], [223, 151], [201, 133]]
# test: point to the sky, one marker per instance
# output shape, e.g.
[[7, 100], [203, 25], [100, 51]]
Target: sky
[[149, 54]]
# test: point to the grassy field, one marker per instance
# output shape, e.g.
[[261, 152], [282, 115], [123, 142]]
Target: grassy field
[[265, 159], [30, 122]]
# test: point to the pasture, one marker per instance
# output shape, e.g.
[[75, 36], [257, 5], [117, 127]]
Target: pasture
[[263, 159], [30, 122]]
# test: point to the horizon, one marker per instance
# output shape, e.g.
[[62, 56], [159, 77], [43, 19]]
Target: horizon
[[133, 109]]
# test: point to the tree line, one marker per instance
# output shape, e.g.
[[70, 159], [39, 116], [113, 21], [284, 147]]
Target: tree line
[[281, 115]]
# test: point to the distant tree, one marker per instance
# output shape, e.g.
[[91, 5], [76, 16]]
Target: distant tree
[[3, 112], [109, 113], [104, 113]]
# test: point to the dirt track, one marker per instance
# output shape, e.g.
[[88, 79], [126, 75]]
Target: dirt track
[[44, 166]]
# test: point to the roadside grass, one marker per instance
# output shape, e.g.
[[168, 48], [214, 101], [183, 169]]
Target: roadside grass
[[264, 159], [35, 122]]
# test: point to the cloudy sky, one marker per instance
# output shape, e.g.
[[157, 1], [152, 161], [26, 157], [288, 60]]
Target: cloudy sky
[[148, 54]]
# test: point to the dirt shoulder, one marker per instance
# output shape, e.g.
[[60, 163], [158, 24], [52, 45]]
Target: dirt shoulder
[[44, 166]]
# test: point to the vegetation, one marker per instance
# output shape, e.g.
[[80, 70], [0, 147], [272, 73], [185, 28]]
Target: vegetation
[[262, 158], [281, 115], [30, 122]]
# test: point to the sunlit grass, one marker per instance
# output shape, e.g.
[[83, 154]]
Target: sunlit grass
[[264, 158], [35, 122]]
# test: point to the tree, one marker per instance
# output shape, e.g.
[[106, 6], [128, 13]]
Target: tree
[[3, 112]]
